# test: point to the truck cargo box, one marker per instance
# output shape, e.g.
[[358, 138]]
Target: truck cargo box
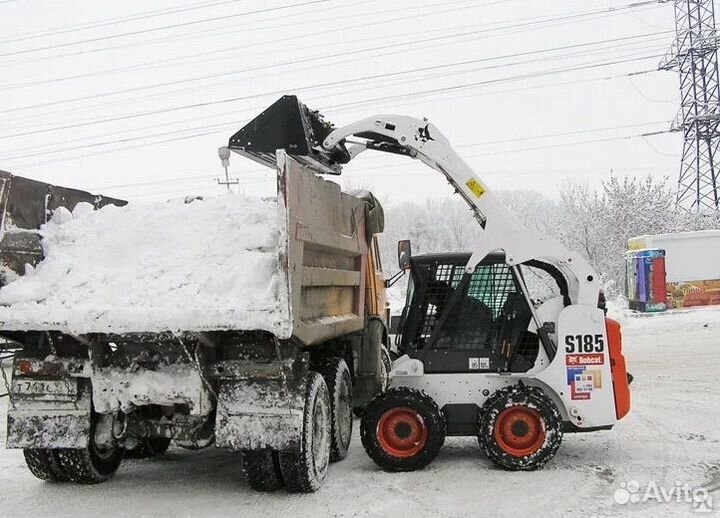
[[284, 266]]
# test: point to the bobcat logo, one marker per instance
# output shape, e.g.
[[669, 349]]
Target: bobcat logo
[[425, 133]]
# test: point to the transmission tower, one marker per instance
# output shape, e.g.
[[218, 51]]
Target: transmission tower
[[694, 55]]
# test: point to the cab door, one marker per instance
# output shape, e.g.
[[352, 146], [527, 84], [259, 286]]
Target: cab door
[[376, 298], [481, 322]]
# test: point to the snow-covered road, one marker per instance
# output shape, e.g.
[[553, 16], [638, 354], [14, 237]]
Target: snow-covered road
[[672, 434]]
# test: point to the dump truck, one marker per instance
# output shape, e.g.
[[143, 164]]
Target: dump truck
[[254, 325]]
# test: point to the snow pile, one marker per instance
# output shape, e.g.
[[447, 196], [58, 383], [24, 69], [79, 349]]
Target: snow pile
[[207, 265]]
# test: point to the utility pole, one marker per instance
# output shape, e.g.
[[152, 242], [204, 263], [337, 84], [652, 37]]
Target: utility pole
[[694, 55], [224, 154]]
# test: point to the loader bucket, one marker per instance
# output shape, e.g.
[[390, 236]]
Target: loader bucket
[[290, 125]]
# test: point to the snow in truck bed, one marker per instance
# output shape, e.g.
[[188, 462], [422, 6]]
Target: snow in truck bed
[[207, 265]]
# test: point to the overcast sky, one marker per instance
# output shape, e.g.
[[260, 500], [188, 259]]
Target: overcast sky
[[124, 97]]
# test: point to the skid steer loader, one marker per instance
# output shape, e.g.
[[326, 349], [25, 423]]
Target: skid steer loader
[[479, 354]]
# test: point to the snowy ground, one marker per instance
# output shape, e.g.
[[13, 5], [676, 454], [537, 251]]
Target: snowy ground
[[673, 434]]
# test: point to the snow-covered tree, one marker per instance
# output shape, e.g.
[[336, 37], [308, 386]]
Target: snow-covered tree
[[595, 222]]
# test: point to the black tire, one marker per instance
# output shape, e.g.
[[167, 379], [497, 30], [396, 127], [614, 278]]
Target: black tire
[[520, 428], [92, 464], [402, 429], [339, 383], [304, 468], [147, 448], [44, 464], [261, 469]]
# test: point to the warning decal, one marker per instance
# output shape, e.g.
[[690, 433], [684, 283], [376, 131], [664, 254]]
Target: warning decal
[[475, 186], [478, 363]]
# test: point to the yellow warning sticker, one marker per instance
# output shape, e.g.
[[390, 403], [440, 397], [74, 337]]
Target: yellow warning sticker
[[475, 186]]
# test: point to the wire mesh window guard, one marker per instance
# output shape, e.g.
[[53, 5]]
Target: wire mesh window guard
[[478, 312]]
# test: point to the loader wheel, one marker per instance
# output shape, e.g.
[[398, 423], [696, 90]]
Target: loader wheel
[[261, 469], [339, 383], [520, 428], [402, 429], [44, 464], [304, 468]]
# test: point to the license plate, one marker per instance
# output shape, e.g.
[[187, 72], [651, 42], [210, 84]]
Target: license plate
[[45, 389]]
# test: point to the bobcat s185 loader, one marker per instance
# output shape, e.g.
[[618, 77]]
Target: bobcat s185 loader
[[478, 355]]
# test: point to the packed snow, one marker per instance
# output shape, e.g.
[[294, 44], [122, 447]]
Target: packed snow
[[671, 435], [116, 388], [207, 265]]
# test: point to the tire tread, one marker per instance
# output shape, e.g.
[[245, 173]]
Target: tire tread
[[44, 464], [531, 396], [395, 397], [334, 371]]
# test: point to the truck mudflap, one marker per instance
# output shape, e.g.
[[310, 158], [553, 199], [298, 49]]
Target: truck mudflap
[[49, 413], [258, 414]]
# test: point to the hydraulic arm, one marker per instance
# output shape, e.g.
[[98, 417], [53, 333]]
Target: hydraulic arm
[[289, 124]]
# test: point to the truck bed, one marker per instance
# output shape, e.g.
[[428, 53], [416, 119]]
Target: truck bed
[[284, 266]]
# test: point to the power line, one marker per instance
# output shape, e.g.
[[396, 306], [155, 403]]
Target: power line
[[532, 21], [113, 21], [290, 62], [149, 65], [205, 130], [494, 81], [460, 146], [208, 130], [242, 70], [310, 59], [329, 84], [577, 143], [162, 28], [270, 176], [341, 28], [384, 84]]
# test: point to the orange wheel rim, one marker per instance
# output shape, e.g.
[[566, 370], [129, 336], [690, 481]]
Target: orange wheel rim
[[401, 432], [519, 431]]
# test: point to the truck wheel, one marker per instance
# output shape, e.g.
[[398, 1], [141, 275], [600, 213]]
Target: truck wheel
[[149, 447], [339, 383], [402, 429], [304, 468], [520, 428], [92, 464], [44, 464], [261, 469]]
